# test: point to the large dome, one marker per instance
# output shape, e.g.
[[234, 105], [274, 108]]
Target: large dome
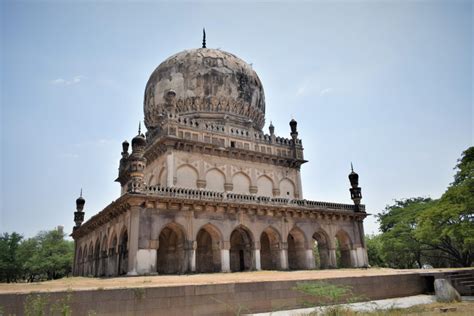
[[207, 84]]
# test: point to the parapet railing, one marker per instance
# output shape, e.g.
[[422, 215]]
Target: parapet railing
[[233, 131], [243, 198]]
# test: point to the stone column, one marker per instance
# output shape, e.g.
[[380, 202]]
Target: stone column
[[310, 264], [256, 256], [332, 259], [225, 257], [299, 194], [133, 239], [354, 261], [169, 169], [191, 255], [284, 256]]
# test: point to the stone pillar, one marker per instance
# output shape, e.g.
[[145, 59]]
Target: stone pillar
[[354, 261], [361, 254], [256, 256], [299, 194], [133, 239], [284, 256], [332, 259], [310, 264], [191, 255], [169, 169], [146, 261], [225, 257]]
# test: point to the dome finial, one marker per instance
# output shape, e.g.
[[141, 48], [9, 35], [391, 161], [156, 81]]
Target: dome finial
[[139, 127], [203, 38], [81, 193], [352, 168]]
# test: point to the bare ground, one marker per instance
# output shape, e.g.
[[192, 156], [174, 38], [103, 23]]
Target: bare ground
[[82, 283]]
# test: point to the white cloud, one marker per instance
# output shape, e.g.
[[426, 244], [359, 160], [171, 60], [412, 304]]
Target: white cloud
[[63, 82], [325, 91]]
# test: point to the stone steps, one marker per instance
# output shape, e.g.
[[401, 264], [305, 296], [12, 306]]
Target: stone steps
[[462, 281]]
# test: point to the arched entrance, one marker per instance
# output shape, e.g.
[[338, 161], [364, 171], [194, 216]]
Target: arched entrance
[[343, 251], [97, 258], [296, 249], [112, 260], [171, 253], [90, 260], [269, 249], [103, 257], [241, 244], [79, 262], [321, 250], [123, 253], [208, 255]]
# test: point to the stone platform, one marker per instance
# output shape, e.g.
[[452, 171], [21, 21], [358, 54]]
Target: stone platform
[[206, 294]]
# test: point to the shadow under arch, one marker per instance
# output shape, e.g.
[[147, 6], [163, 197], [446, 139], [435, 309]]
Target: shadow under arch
[[344, 246], [171, 256], [123, 252], [208, 246], [321, 249], [270, 240], [241, 249], [296, 249], [113, 255]]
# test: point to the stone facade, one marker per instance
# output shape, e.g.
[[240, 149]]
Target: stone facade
[[206, 190]]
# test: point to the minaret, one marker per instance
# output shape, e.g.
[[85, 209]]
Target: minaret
[[123, 175], [79, 213], [271, 128], [356, 193], [203, 38], [137, 163], [294, 136]]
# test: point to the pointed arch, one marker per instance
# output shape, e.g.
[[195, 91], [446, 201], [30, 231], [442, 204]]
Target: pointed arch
[[90, 259], [103, 256], [84, 262], [208, 244], [241, 246], [343, 251], [171, 250], [79, 261], [123, 252], [270, 241], [287, 188], [96, 257], [186, 176], [296, 249], [112, 254], [321, 249], [265, 186], [162, 177], [215, 180], [241, 183]]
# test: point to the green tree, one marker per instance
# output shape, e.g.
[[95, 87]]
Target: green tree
[[398, 224], [439, 232], [446, 229], [54, 255], [374, 250], [10, 266]]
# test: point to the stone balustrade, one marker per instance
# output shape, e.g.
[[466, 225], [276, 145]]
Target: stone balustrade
[[233, 131], [245, 198]]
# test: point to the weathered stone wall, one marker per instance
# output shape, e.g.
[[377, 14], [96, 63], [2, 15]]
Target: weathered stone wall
[[220, 174], [218, 299]]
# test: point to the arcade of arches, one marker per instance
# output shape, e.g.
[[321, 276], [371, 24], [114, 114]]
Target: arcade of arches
[[217, 247]]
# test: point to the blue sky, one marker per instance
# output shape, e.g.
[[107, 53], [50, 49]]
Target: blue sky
[[387, 85]]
